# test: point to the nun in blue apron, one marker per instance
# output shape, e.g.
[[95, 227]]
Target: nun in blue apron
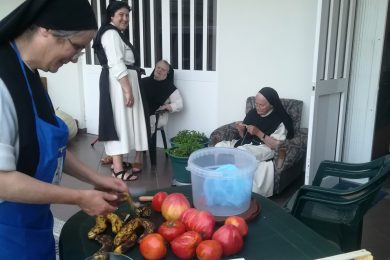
[[41, 34]]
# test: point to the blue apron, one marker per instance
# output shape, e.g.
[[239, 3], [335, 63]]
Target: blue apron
[[26, 230]]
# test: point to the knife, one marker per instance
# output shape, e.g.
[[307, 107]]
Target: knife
[[126, 196]]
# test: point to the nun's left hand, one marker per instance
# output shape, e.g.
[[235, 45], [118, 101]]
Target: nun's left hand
[[253, 130]]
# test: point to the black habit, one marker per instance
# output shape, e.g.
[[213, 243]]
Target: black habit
[[157, 91]]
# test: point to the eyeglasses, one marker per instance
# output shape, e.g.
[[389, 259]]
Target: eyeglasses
[[78, 48]]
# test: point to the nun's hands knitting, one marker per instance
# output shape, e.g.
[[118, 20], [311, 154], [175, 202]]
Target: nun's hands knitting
[[241, 127], [253, 130], [268, 140]]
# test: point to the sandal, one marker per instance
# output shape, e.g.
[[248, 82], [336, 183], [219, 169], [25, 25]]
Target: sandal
[[126, 166], [106, 160], [122, 175], [137, 167]]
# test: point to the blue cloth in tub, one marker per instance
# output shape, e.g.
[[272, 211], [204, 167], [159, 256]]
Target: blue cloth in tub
[[231, 189]]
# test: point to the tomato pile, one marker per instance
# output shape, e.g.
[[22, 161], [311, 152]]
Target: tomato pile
[[190, 232]]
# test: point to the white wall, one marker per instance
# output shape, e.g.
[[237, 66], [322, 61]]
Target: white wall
[[66, 90], [199, 94], [264, 43], [7, 6]]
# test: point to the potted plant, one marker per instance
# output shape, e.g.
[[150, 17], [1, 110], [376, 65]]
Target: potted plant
[[182, 145], [189, 136]]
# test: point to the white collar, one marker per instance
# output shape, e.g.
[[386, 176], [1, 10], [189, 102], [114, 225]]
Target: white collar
[[269, 112]]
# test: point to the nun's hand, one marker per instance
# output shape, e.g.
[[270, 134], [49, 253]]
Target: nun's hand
[[128, 97], [129, 100], [166, 107], [253, 130], [94, 202], [240, 126]]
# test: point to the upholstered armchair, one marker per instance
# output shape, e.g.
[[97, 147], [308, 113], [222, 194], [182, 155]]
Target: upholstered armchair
[[289, 157]]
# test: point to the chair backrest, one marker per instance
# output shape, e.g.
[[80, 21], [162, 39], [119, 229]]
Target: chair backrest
[[292, 106], [369, 170]]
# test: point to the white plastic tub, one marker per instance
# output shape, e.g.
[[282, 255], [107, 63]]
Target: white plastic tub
[[222, 180]]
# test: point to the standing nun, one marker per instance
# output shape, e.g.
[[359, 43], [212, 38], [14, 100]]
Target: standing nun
[[122, 122], [41, 34]]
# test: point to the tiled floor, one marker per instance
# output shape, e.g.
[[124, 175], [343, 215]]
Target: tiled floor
[[376, 230]]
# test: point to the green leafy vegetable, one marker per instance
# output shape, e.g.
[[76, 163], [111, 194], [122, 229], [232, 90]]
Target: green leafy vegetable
[[186, 142]]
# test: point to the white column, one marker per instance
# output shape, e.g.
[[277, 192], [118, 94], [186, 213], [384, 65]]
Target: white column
[[166, 30]]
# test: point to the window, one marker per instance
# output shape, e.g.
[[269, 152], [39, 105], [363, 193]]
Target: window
[[181, 31]]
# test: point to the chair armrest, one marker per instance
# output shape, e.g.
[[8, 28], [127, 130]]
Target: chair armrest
[[294, 149], [226, 132], [320, 203], [311, 190], [326, 196]]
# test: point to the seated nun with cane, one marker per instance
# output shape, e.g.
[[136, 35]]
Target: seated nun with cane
[[161, 94]]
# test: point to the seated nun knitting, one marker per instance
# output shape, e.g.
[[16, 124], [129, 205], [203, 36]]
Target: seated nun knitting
[[264, 128]]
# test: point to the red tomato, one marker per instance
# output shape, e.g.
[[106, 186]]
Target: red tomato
[[230, 238], [239, 223], [174, 205], [200, 221], [158, 199], [171, 229], [152, 246], [209, 250], [184, 246]]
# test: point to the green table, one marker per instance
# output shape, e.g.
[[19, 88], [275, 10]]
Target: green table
[[274, 234]]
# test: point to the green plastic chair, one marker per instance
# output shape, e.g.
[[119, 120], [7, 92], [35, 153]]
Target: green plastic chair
[[337, 214]]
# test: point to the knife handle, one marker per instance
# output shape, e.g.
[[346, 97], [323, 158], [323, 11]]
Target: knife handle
[[145, 198]]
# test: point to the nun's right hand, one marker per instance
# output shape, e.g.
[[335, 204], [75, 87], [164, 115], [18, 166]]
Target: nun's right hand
[[94, 202], [129, 100], [240, 126]]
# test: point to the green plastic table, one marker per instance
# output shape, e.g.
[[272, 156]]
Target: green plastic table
[[273, 234]]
